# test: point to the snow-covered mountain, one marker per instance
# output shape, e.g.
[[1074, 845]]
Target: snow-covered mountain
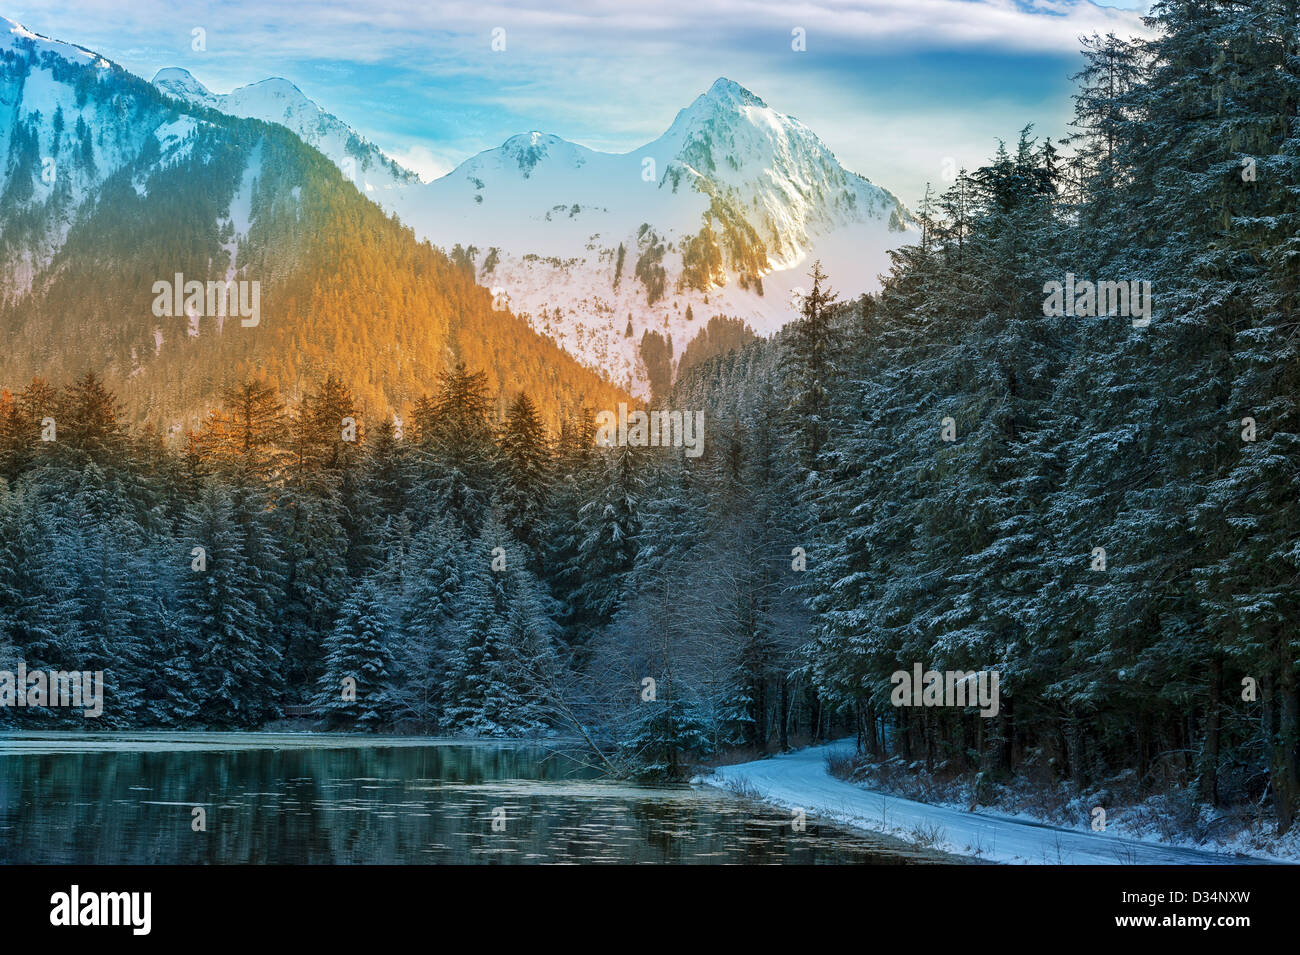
[[721, 215], [276, 100]]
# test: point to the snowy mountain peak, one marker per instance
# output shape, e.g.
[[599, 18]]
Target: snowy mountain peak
[[719, 216], [730, 136], [277, 88], [182, 85], [528, 149], [725, 103], [730, 93], [273, 95], [532, 138], [18, 38]]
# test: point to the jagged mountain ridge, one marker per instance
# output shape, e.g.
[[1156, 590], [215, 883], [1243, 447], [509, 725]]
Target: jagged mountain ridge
[[722, 214], [276, 100]]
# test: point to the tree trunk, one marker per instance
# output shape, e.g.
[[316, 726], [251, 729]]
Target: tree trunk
[[1074, 745], [785, 714], [759, 713], [928, 733], [1143, 750], [1001, 741], [1284, 770], [816, 718], [872, 729], [1210, 759]]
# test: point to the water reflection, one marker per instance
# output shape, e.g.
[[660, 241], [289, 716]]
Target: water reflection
[[384, 804]]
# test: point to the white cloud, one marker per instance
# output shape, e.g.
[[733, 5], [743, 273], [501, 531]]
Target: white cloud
[[433, 36], [422, 161]]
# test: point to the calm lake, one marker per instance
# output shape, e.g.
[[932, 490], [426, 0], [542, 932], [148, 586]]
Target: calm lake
[[303, 798]]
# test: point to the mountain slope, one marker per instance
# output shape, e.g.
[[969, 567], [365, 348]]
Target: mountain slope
[[146, 187], [65, 127]]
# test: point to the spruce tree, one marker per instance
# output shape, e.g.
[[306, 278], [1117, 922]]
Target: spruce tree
[[354, 689]]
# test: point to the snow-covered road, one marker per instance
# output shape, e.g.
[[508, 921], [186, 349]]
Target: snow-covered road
[[800, 780]]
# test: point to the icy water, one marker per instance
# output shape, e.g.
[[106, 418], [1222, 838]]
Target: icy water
[[296, 798]]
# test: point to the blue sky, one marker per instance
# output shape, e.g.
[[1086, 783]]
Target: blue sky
[[896, 88]]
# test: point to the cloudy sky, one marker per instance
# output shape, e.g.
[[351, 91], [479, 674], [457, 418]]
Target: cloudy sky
[[897, 88]]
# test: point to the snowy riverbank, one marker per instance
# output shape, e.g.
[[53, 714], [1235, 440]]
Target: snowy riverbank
[[800, 780]]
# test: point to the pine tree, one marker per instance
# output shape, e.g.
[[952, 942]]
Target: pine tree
[[90, 425], [327, 432], [525, 481], [609, 525], [431, 582], [354, 689], [809, 365], [235, 671], [314, 551], [571, 476], [502, 642], [387, 469], [456, 450], [160, 652], [664, 739], [248, 433]]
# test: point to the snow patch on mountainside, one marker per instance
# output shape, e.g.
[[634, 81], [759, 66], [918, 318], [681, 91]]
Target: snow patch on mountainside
[[56, 147], [15, 36], [60, 142]]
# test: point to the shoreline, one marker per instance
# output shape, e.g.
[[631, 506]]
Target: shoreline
[[799, 780]]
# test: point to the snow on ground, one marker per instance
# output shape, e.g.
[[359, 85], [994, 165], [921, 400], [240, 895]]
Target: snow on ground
[[800, 780]]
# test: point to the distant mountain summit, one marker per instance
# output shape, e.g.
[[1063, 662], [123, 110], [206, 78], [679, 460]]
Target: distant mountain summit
[[181, 84], [721, 215]]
